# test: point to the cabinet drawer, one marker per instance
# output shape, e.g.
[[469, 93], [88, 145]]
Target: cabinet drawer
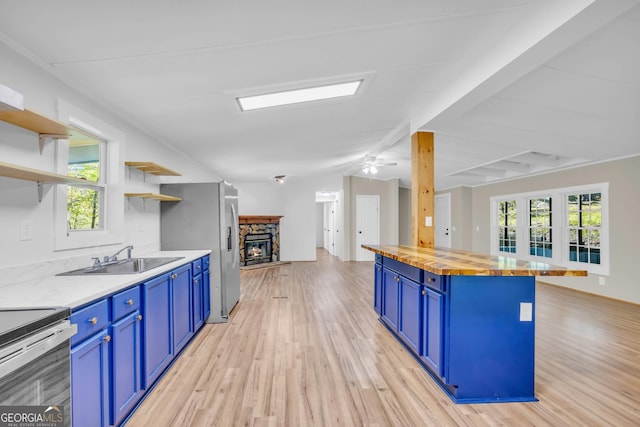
[[125, 302], [206, 261], [197, 266], [90, 320], [406, 270], [378, 259], [434, 281]]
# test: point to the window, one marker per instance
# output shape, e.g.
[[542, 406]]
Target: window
[[93, 214], [540, 235], [507, 226], [585, 221], [573, 221], [84, 204]]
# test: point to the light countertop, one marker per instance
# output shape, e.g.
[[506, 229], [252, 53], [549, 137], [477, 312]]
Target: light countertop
[[74, 291], [454, 262]]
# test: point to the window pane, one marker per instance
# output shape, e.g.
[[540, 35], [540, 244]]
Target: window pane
[[585, 220], [83, 208], [540, 221], [507, 226], [83, 204]]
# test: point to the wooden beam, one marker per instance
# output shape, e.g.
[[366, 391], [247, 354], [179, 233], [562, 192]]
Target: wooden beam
[[422, 189]]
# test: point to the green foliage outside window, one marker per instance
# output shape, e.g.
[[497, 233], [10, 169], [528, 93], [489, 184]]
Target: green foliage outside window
[[83, 204]]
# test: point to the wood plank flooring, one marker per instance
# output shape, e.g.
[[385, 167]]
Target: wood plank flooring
[[304, 347]]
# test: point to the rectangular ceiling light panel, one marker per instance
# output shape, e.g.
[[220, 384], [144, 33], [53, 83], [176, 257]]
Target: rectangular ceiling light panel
[[299, 95]]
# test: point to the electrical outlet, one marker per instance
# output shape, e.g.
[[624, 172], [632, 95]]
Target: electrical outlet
[[26, 230], [428, 221], [601, 281]]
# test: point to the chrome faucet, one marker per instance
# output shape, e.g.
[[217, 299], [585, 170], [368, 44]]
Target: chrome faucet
[[114, 258]]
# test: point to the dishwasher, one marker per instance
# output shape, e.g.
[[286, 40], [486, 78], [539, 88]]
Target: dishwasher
[[35, 380]]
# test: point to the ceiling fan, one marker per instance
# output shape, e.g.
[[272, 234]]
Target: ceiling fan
[[370, 164]]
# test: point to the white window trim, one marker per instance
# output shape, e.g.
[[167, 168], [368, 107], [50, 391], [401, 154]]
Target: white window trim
[[112, 220], [560, 231]]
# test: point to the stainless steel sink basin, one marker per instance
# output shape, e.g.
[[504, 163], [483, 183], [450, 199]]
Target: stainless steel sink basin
[[133, 266]]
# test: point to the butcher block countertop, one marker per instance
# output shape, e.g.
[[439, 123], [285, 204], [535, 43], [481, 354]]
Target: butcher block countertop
[[454, 262]]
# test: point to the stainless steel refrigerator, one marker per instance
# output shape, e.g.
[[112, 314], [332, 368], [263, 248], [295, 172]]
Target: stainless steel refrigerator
[[206, 218]]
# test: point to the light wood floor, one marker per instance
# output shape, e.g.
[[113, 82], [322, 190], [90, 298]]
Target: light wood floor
[[305, 347]]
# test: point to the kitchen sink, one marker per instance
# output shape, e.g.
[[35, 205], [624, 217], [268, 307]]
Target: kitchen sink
[[132, 266]]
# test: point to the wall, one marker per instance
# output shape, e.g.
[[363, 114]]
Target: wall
[[25, 260], [295, 200], [623, 177], [319, 225], [389, 202], [404, 216]]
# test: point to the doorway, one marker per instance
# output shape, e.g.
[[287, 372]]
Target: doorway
[[367, 225], [442, 220]]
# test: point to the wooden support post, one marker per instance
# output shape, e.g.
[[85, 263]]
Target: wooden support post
[[422, 190]]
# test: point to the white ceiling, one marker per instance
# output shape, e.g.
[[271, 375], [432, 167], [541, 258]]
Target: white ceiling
[[494, 79]]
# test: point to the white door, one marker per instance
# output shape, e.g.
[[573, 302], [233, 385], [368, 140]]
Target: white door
[[442, 220], [367, 225], [330, 227]]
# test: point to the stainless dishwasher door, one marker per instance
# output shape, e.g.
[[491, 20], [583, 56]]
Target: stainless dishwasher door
[[35, 370]]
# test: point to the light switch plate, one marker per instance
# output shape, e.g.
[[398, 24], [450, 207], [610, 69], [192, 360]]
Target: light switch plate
[[526, 311], [428, 221], [26, 230]]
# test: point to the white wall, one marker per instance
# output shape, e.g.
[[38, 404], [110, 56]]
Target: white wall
[[24, 260], [295, 200], [319, 225]]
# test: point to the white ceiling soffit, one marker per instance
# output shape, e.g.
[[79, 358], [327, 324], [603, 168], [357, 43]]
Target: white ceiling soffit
[[528, 163]]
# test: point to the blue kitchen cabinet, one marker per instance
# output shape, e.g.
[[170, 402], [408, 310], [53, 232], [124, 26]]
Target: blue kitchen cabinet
[[432, 327], [197, 307], [181, 302], [158, 344], [206, 290], [474, 334], [410, 312], [377, 288], [90, 381], [126, 353], [390, 291]]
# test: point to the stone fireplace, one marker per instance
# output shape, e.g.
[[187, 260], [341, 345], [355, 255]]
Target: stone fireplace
[[259, 239]]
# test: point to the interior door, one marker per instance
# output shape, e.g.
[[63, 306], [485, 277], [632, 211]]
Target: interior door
[[367, 225], [442, 220]]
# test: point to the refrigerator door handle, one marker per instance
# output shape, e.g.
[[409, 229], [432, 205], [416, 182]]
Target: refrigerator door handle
[[235, 232]]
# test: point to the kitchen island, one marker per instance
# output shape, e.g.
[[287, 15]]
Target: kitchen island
[[468, 318]]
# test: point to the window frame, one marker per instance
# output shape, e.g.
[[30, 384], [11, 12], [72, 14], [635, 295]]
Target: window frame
[[111, 230], [559, 230]]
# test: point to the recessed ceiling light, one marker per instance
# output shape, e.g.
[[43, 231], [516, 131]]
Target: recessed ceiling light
[[296, 96]]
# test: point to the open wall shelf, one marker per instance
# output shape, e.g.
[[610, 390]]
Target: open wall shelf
[[46, 128], [40, 177], [154, 196], [152, 168]]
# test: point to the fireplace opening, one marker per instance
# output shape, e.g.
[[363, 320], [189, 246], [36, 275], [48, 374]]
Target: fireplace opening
[[257, 248]]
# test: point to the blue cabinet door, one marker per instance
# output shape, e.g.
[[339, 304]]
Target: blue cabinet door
[[206, 293], [432, 324], [410, 313], [158, 345], [181, 307], [126, 375], [390, 285], [90, 381], [377, 288], [197, 308]]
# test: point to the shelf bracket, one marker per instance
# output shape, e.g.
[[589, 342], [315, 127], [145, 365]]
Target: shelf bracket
[[40, 185], [48, 137]]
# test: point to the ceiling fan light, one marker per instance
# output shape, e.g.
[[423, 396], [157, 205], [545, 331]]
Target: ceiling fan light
[[374, 170], [365, 170]]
